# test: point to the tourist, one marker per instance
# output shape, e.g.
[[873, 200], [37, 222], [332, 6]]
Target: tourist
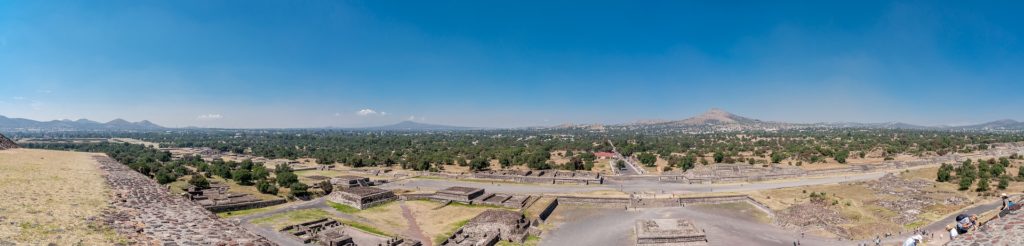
[[952, 232], [965, 223], [913, 241]]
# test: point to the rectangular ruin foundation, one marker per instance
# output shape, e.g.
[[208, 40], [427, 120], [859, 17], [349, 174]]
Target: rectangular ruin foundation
[[490, 227], [219, 198], [362, 197], [322, 231], [668, 232], [350, 181], [458, 194]]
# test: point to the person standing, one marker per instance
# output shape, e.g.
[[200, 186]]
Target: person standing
[[953, 233], [913, 240]]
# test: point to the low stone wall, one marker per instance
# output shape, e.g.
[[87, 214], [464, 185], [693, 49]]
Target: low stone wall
[[540, 180], [407, 197], [652, 178], [657, 202], [146, 213], [544, 214], [244, 205], [594, 201], [713, 199]]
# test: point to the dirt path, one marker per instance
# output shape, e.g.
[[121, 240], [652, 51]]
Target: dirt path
[[414, 229]]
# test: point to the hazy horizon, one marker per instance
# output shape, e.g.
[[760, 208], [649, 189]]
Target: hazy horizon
[[509, 64]]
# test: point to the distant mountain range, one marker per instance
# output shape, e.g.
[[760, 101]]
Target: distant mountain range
[[719, 120], [713, 120], [19, 124], [416, 126]]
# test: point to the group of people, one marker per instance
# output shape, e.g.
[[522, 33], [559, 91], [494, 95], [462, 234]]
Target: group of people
[[965, 223]]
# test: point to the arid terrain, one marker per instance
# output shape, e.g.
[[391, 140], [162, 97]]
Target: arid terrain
[[52, 197]]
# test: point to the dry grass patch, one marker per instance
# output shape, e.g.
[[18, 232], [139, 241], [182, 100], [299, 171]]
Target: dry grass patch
[[386, 217], [279, 221], [864, 208], [442, 222], [48, 197]]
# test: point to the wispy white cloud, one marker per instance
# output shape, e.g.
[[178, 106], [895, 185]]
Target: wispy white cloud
[[209, 117], [369, 112], [44, 91], [18, 98]]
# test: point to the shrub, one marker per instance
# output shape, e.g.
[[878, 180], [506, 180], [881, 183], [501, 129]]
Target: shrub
[[299, 189], [266, 187], [199, 181]]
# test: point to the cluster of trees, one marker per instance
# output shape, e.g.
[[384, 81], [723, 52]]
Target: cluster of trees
[[158, 165], [982, 171], [532, 147]]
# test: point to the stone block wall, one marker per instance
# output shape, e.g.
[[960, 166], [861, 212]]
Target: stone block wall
[[146, 213], [6, 143]]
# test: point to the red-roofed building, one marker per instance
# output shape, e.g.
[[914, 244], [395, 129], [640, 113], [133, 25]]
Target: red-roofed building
[[604, 155]]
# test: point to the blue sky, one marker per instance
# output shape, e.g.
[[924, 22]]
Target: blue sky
[[509, 63]]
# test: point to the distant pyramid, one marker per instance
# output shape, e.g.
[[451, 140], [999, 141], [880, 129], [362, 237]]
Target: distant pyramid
[[6, 143]]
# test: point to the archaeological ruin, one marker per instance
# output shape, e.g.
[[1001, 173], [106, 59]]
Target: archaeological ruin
[[543, 176], [458, 194], [350, 181], [146, 213], [322, 231], [218, 198], [362, 197], [490, 227], [666, 232]]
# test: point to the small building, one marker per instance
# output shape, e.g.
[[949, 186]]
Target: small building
[[604, 155], [350, 181], [362, 197], [458, 194], [665, 232]]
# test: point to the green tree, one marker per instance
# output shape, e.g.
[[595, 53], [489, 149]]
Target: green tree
[[1004, 181], [965, 183], [298, 189], [326, 186], [199, 181], [479, 164], [164, 177], [687, 162], [944, 174], [260, 172], [266, 187], [620, 164], [719, 157], [982, 185], [242, 176], [777, 157], [841, 156], [286, 179], [647, 159]]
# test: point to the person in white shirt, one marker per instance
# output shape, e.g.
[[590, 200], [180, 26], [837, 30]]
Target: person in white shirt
[[952, 232], [913, 241]]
